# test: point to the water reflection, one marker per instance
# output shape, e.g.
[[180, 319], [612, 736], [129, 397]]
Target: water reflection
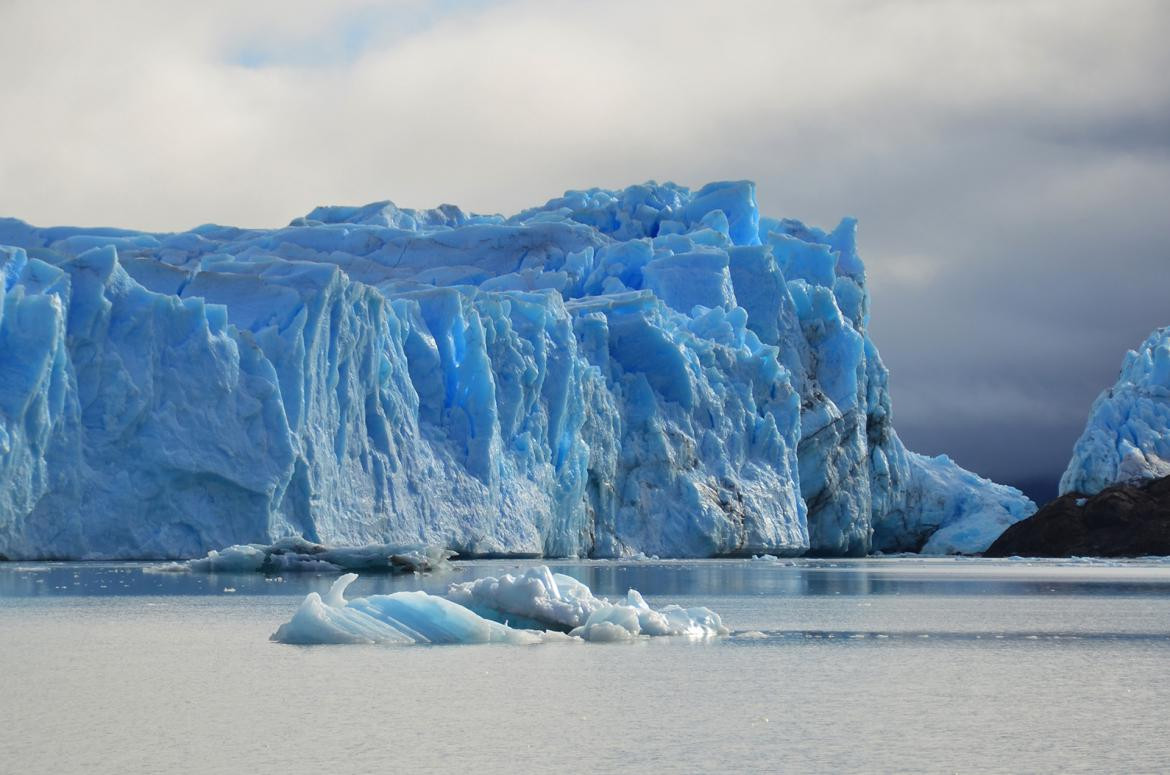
[[877, 577], [714, 578]]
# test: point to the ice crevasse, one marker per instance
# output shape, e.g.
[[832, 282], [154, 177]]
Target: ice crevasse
[[653, 370]]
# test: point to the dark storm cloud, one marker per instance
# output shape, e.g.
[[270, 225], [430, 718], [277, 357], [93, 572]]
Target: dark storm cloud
[[1009, 161]]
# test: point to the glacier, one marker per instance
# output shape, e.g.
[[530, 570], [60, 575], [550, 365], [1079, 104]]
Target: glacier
[[1127, 436], [537, 606], [654, 370]]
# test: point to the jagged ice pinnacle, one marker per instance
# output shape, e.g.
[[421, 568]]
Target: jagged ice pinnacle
[[1127, 436]]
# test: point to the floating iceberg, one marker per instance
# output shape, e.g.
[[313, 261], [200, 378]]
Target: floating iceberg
[[545, 606], [652, 371], [295, 555], [1127, 437], [399, 618]]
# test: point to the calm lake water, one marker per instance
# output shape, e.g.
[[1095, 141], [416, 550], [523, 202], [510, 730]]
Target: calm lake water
[[877, 665]]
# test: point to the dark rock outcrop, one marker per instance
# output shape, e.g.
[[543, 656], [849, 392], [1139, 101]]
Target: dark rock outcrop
[[1125, 520]]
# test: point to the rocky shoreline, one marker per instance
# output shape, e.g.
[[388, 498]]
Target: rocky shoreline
[[1125, 520]]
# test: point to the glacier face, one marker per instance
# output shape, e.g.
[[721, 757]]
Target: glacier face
[[652, 370], [1127, 436]]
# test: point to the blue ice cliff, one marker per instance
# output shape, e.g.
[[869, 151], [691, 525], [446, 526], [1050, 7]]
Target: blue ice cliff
[[1127, 437], [653, 370]]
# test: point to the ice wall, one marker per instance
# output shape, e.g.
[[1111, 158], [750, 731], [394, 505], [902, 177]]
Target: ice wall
[[1127, 436], [651, 370]]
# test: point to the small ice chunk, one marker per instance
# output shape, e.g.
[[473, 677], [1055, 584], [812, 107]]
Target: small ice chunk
[[170, 567], [553, 600], [242, 558]]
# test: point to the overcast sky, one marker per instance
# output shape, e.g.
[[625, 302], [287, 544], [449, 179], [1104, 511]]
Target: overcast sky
[[1009, 161]]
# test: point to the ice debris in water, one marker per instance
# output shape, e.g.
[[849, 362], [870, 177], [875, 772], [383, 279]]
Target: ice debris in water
[[294, 555], [536, 606]]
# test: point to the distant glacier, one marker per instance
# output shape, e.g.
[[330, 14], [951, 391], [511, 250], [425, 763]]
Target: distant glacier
[[1127, 436], [652, 370]]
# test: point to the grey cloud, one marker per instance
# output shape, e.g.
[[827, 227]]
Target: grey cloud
[[1007, 160]]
